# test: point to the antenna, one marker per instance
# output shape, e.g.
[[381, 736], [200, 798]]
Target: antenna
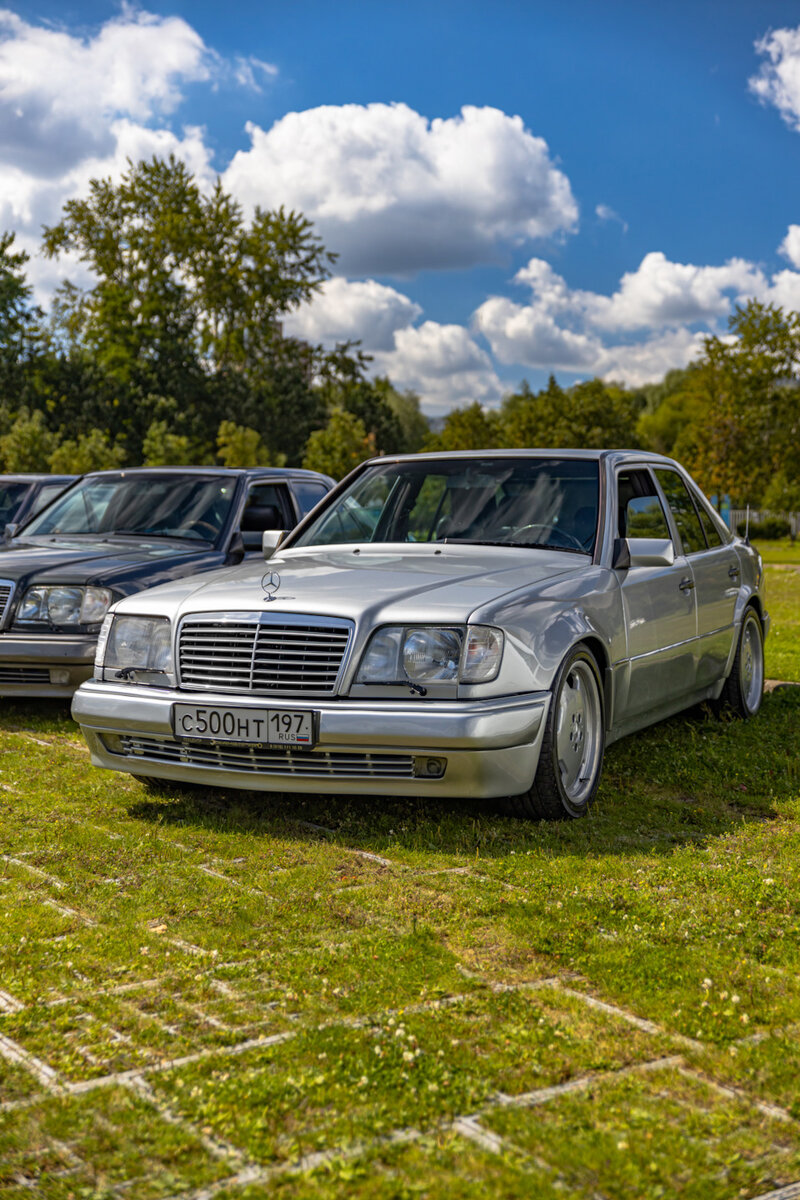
[[747, 527]]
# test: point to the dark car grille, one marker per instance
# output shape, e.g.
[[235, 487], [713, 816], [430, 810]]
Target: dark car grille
[[262, 654], [20, 675], [6, 591], [312, 763]]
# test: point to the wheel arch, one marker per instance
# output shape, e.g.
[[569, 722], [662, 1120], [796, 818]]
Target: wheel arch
[[600, 651]]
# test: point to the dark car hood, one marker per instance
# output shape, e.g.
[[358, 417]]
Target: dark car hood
[[122, 563]]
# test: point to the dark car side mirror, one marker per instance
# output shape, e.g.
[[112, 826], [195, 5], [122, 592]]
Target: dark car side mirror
[[10, 531]]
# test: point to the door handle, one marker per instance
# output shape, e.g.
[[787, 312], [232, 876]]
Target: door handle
[[686, 584], [733, 572]]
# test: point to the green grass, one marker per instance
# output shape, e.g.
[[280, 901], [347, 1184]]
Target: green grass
[[300, 996], [782, 551]]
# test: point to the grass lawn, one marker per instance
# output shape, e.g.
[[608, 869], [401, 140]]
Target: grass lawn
[[782, 551], [239, 995]]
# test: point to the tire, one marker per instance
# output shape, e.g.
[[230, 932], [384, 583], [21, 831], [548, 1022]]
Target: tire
[[744, 687], [571, 757]]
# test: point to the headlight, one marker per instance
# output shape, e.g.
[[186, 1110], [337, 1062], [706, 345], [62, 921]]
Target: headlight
[[63, 605], [425, 654], [432, 655], [136, 644], [482, 653]]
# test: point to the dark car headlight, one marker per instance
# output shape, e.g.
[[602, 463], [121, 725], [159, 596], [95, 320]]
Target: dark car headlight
[[61, 604], [425, 654]]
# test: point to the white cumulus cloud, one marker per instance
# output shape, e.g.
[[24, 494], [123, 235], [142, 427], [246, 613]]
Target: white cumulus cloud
[[367, 311], [790, 246], [662, 293], [443, 364], [59, 94], [778, 80], [660, 303], [77, 107], [643, 362], [393, 192]]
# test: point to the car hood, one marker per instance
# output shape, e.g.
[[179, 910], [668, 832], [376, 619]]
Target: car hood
[[392, 581], [120, 562]]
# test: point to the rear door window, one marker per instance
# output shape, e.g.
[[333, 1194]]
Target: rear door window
[[683, 510], [308, 493]]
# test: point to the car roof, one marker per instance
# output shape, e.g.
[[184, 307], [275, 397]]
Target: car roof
[[36, 477], [222, 472], [614, 456]]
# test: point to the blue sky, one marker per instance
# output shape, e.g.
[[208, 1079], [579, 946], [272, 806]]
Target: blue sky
[[513, 188]]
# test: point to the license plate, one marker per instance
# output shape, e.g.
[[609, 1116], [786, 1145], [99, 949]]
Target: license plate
[[264, 726]]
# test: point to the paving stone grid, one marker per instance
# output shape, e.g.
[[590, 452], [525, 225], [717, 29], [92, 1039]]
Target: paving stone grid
[[233, 1020]]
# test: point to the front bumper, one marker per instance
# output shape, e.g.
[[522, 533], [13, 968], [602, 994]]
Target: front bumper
[[484, 748], [45, 664]]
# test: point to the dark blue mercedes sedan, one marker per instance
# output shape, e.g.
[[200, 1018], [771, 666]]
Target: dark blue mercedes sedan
[[114, 533]]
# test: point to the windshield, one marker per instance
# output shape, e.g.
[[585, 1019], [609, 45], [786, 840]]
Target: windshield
[[175, 506], [541, 502], [11, 495]]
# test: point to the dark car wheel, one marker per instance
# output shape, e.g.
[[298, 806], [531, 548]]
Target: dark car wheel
[[744, 686], [571, 758]]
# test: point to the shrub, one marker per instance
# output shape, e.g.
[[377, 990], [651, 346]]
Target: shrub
[[768, 530]]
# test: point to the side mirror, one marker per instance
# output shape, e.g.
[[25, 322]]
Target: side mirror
[[651, 552], [10, 531], [271, 539]]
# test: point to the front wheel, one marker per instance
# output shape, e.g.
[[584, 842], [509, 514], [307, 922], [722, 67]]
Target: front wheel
[[744, 686], [571, 757]]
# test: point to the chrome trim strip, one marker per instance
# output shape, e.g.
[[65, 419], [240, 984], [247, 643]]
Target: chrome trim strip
[[7, 587]]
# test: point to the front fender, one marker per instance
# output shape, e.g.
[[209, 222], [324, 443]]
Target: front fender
[[542, 627]]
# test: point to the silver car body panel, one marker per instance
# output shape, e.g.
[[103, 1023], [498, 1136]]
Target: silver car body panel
[[664, 637]]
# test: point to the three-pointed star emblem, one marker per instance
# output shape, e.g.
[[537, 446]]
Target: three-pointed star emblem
[[270, 583]]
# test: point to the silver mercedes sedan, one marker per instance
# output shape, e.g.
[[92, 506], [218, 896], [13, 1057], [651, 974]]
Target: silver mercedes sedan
[[475, 624]]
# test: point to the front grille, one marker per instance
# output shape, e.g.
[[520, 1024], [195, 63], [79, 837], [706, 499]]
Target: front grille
[[24, 675], [6, 592], [262, 654], [313, 764]]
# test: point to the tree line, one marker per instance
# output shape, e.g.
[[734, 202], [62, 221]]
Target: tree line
[[174, 352]]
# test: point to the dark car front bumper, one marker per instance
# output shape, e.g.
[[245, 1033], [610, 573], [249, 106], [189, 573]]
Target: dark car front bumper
[[45, 664]]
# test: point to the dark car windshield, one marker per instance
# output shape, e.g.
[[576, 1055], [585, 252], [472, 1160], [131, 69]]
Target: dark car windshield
[[550, 502], [11, 496], [194, 507]]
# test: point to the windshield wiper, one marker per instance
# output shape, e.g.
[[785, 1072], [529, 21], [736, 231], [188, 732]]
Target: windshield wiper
[[140, 533], [513, 545]]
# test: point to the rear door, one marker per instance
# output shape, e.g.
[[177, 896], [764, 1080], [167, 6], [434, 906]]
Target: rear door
[[715, 569], [658, 604]]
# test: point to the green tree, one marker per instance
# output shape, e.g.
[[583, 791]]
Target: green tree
[[92, 451], [28, 444], [162, 448], [240, 446], [340, 446], [590, 415], [748, 432], [412, 423], [20, 332], [670, 427], [187, 304], [469, 428]]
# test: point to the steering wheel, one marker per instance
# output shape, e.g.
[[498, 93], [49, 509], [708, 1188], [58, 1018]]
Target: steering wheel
[[547, 533], [212, 529]]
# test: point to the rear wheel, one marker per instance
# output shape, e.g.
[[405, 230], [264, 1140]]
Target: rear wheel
[[744, 686], [571, 758]]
